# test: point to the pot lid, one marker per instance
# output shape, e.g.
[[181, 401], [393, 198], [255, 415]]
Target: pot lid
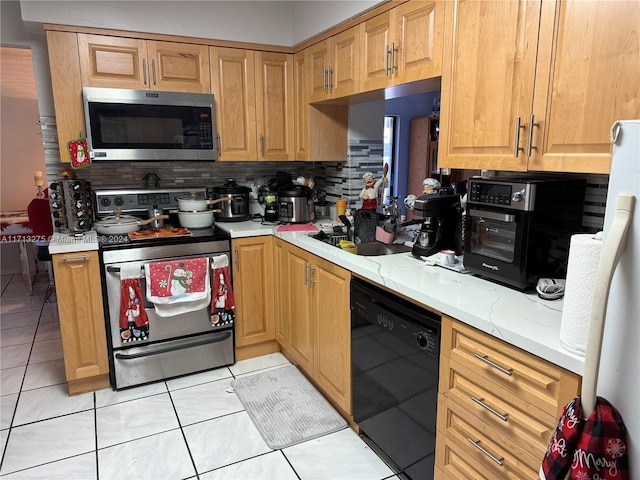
[[295, 191], [230, 186], [195, 197]]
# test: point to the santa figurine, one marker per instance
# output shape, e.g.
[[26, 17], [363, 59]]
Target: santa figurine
[[430, 185], [369, 193]]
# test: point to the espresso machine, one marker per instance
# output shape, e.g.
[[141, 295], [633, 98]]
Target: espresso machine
[[441, 224]]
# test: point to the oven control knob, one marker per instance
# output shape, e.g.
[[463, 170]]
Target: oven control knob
[[517, 196], [105, 201], [119, 201]]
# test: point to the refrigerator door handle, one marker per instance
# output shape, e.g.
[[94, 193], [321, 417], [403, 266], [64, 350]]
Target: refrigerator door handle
[[611, 252]]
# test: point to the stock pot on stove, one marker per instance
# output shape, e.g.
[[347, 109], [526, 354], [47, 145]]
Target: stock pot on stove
[[236, 209]]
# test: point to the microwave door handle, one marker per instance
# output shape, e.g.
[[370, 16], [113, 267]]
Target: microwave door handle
[[500, 217]]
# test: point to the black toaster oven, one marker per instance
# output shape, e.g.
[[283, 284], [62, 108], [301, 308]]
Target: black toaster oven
[[518, 229]]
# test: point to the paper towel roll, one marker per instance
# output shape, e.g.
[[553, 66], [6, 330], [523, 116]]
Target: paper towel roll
[[584, 256]]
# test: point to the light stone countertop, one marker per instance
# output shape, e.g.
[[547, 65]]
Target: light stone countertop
[[69, 243], [521, 319]]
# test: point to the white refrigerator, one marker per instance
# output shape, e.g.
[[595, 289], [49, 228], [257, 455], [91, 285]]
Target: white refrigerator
[[619, 374]]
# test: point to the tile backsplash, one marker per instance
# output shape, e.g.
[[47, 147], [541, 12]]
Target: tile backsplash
[[338, 179]]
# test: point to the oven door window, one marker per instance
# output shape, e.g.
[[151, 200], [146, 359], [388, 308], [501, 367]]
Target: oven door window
[[131, 126], [493, 238]]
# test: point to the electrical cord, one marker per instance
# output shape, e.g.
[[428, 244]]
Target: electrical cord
[[550, 288]]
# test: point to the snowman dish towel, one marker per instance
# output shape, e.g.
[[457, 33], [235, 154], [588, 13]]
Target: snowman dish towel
[[178, 286]]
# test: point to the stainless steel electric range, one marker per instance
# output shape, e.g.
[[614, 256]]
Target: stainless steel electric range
[[168, 346]]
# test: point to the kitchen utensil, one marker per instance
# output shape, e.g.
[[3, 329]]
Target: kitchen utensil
[[197, 219], [347, 223], [193, 204], [237, 208], [295, 204], [121, 224]]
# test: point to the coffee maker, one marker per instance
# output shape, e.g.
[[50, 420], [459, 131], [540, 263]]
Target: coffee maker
[[441, 224]]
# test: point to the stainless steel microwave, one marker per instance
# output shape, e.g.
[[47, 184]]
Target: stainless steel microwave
[[134, 125]]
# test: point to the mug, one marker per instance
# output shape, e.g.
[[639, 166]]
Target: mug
[[410, 201]]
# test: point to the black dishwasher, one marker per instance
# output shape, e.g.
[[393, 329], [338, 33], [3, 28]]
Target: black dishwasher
[[395, 349]]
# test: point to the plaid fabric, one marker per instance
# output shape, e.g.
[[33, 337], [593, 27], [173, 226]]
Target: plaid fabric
[[557, 461], [592, 449], [601, 452]]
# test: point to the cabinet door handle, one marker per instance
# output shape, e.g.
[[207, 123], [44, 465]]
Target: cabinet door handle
[[330, 72], [311, 280], [324, 78], [480, 401], [483, 358], [306, 273], [237, 260], [393, 57], [153, 70], [386, 59], [476, 443], [529, 145], [262, 145], [77, 258], [517, 148], [144, 70]]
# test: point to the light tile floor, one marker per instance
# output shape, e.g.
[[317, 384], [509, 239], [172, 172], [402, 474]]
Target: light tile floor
[[188, 427]]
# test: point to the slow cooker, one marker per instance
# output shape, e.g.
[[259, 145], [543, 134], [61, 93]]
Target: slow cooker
[[295, 204], [235, 210]]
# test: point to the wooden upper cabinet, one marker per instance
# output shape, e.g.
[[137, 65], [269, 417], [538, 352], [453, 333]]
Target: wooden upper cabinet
[[402, 45], [117, 62], [274, 105], [587, 78], [334, 66], [418, 37], [375, 42], [487, 83], [232, 72], [301, 89], [537, 85], [179, 67], [66, 83], [319, 63]]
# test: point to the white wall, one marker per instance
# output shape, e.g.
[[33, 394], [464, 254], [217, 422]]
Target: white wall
[[366, 121], [269, 22]]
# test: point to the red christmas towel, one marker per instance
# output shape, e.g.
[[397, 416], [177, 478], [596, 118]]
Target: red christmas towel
[[591, 449], [601, 452], [222, 305], [134, 323], [557, 461]]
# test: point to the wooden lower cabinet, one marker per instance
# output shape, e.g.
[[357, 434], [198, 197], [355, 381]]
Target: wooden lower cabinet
[[82, 323], [254, 294], [498, 406], [314, 311]]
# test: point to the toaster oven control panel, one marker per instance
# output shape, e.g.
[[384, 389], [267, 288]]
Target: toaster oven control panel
[[514, 196]]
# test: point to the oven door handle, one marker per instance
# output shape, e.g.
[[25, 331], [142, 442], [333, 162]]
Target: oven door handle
[[132, 356], [501, 217], [117, 270]]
